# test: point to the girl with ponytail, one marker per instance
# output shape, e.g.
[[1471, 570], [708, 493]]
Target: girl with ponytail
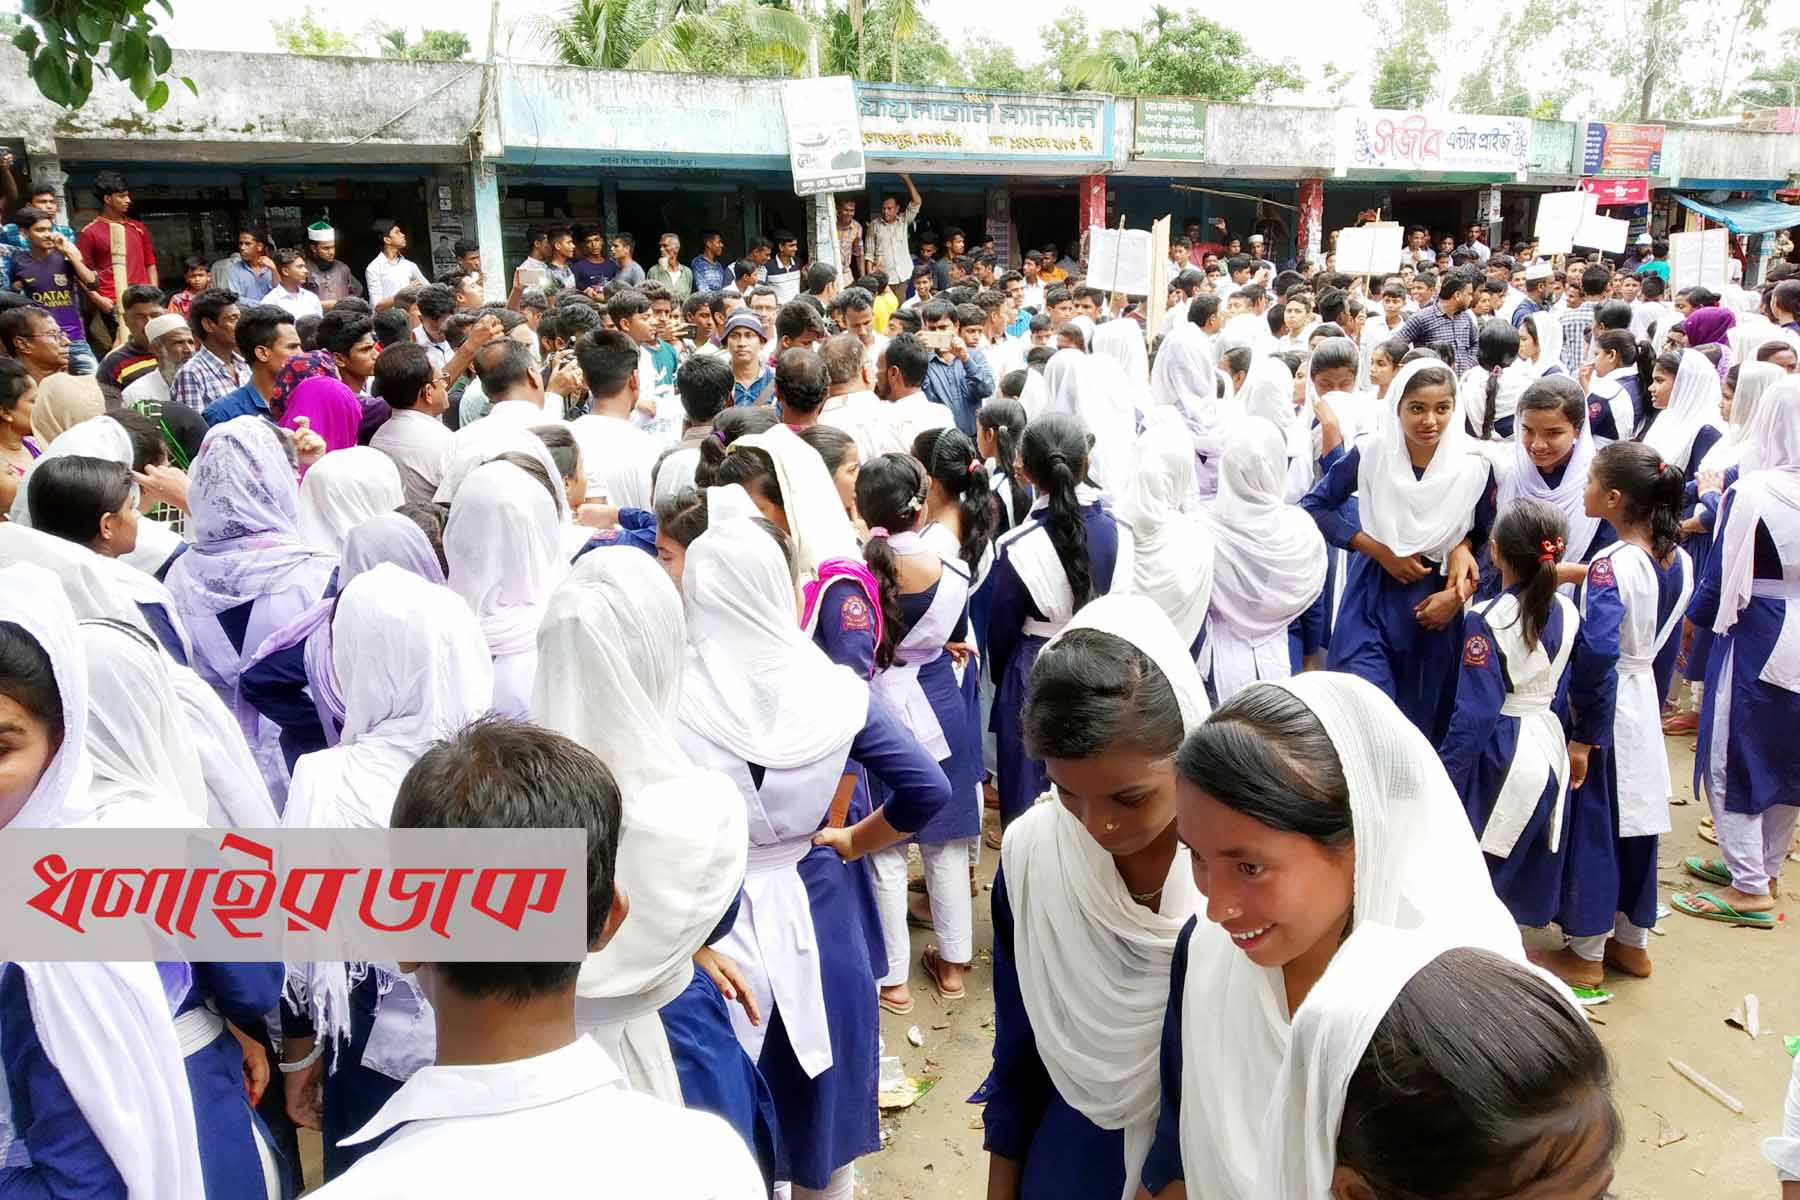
[[1619, 787], [925, 605], [1505, 750], [1618, 399], [1067, 550], [1491, 388], [998, 427], [960, 499]]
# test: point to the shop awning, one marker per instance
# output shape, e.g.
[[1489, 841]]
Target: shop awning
[[1747, 216]]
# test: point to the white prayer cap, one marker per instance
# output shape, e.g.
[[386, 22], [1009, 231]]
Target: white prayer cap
[[1256, 237], [1644, 239], [156, 327], [320, 231], [1538, 270]]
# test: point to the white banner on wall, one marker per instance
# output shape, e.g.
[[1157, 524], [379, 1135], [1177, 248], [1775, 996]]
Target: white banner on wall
[[824, 140], [1381, 139]]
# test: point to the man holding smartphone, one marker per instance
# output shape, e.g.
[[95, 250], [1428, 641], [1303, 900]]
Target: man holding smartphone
[[954, 378]]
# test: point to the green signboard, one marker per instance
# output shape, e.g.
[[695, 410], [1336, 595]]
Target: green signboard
[[1170, 128]]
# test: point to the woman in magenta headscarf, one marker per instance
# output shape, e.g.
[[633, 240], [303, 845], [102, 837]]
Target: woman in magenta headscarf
[[331, 410], [1708, 327]]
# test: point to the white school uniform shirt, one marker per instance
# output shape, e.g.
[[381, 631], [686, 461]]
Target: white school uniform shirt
[[863, 416], [912, 415], [556, 1124], [385, 279], [1646, 315], [301, 303], [439, 352]]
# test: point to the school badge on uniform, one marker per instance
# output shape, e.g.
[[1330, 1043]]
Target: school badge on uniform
[[1600, 574], [854, 615], [1476, 651]]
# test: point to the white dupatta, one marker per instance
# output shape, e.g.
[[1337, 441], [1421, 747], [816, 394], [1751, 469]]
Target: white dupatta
[[1518, 476], [1093, 964], [1172, 562], [1771, 481], [1693, 405], [503, 542], [1426, 514], [344, 489], [1416, 864], [615, 629], [1755, 380], [107, 1028]]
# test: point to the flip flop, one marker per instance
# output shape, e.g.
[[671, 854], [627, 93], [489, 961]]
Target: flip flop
[[1726, 915], [991, 839], [927, 960], [1710, 869], [899, 1010], [1708, 833]]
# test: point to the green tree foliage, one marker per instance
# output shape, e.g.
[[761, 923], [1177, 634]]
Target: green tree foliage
[[306, 34], [1777, 84], [896, 45], [434, 45], [1172, 53], [988, 65], [1406, 69], [732, 37], [68, 41]]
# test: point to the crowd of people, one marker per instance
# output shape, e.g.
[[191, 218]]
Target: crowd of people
[[1292, 661]]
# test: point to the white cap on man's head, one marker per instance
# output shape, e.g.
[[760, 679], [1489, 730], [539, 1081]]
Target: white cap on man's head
[[319, 231], [1256, 237], [156, 327], [1644, 239], [1538, 270]]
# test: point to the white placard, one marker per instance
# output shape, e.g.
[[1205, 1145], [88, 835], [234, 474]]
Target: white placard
[[1606, 234], [1698, 259], [1119, 260], [1157, 302], [1560, 215], [1372, 249], [825, 149]]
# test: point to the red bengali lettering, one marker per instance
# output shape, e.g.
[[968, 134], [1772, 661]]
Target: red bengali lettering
[[319, 911], [65, 888], [511, 912], [420, 897], [244, 895]]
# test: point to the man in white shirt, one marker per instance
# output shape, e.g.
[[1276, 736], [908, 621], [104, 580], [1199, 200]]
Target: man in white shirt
[[289, 293], [885, 237], [851, 403], [1473, 243], [518, 1102], [173, 342], [390, 270], [414, 436], [508, 379], [437, 304], [784, 268], [900, 381], [616, 455]]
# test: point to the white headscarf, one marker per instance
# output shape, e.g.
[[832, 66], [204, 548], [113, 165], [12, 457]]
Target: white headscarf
[[138, 738], [504, 545], [1416, 864], [1769, 479], [615, 629], [344, 489], [1062, 380], [96, 437], [1268, 392], [1271, 558], [754, 683], [1095, 390], [1184, 376], [106, 1026], [1122, 340], [1093, 964], [1693, 405], [1173, 565], [503, 438], [1428, 515], [1755, 379], [1331, 1035], [1519, 476], [617, 458], [1547, 329], [414, 668], [98, 588], [818, 527]]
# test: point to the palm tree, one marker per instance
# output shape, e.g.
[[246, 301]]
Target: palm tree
[[678, 35], [1112, 64]]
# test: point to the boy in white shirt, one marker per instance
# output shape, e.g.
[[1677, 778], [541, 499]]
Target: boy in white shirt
[[517, 1102]]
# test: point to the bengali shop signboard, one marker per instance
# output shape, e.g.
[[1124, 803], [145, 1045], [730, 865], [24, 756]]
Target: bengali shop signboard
[[1379, 139], [924, 122], [1608, 149], [1618, 191], [1169, 128]]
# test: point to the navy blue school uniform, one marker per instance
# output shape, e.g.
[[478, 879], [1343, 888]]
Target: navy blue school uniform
[[1605, 873], [831, 1119], [1761, 753], [352, 1093], [715, 1073], [958, 711], [636, 527], [1375, 635], [228, 1127], [49, 1151], [1163, 1166], [1698, 545], [1060, 1152], [1615, 417], [276, 687], [1017, 630], [1478, 752], [845, 631], [163, 625]]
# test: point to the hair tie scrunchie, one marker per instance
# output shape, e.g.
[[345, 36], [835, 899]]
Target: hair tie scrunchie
[[879, 533], [1552, 547], [720, 435], [974, 465]]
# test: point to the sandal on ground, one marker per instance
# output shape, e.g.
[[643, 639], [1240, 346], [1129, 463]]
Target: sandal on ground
[[929, 960], [896, 1007], [1724, 914], [991, 839], [1710, 869], [1682, 724], [1707, 832]]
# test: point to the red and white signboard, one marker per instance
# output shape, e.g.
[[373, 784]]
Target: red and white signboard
[[1618, 191]]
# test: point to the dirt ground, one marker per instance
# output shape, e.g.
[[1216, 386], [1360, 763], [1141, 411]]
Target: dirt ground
[[1702, 970]]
